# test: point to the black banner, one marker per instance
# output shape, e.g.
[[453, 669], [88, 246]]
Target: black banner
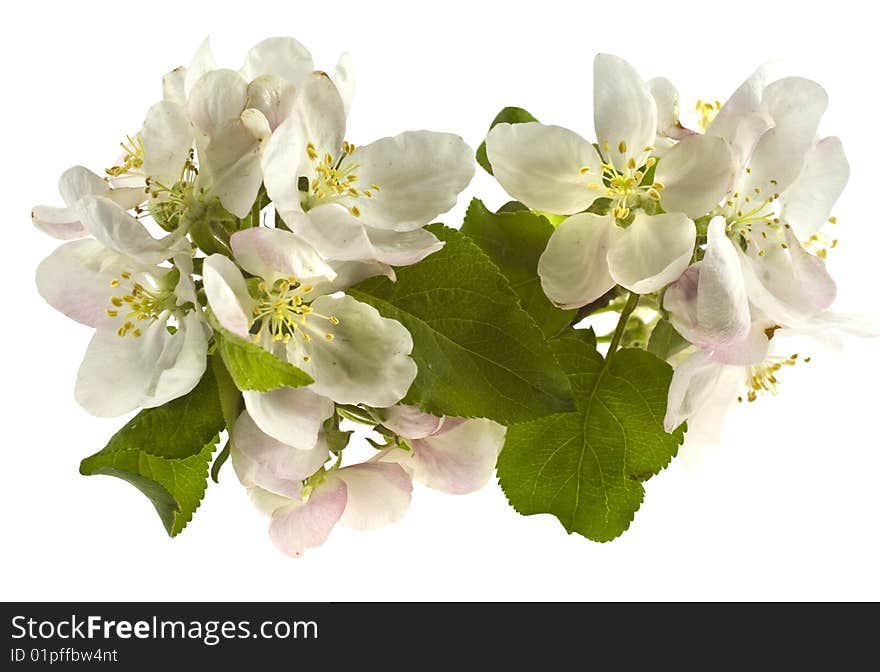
[[137, 636]]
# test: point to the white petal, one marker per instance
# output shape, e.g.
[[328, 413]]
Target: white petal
[[807, 202], [273, 465], [120, 231], [744, 102], [810, 273], [227, 295], [167, 138], [624, 111], [75, 279], [293, 416], [118, 371], [349, 273], [708, 304], [378, 494], [410, 422], [274, 253], [202, 62], [230, 164], [666, 99], [367, 361], [272, 96], [279, 56], [651, 252], [541, 166], [173, 86], [696, 174], [573, 268], [796, 105], [77, 182], [321, 115], [343, 78], [419, 174], [300, 526], [337, 234], [284, 160], [749, 350], [182, 363], [458, 460], [216, 100], [60, 223], [693, 383]]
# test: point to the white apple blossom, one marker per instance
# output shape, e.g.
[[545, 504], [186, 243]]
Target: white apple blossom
[[553, 169], [304, 498], [453, 455], [362, 203], [354, 354], [150, 341]]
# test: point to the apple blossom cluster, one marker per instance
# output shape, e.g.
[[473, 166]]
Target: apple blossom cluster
[[720, 228], [252, 274], [214, 158]]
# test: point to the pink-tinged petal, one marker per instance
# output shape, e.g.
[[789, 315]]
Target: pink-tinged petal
[[75, 279], [302, 525], [273, 253], [292, 416], [651, 252], [696, 173], [810, 273], [460, 458], [60, 223], [227, 294], [548, 168], [282, 57], [78, 182], [573, 267], [807, 202], [378, 494], [273, 465], [410, 422], [338, 235], [624, 111], [708, 303], [750, 350], [693, 383]]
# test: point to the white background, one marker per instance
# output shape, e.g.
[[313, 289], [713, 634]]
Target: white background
[[786, 508]]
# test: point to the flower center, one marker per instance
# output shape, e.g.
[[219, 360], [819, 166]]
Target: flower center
[[282, 311], [137, 304], [334, 179], [762, 377], [629, 187], [132, 158], [168, 204], [753, 218]]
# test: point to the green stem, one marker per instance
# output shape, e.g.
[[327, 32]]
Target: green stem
[[630, 306]]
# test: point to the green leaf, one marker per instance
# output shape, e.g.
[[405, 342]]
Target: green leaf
[[586, 467], [509, 115], [165, 453], [479, 354], [253, 368], [515, 241], [665, 341]]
